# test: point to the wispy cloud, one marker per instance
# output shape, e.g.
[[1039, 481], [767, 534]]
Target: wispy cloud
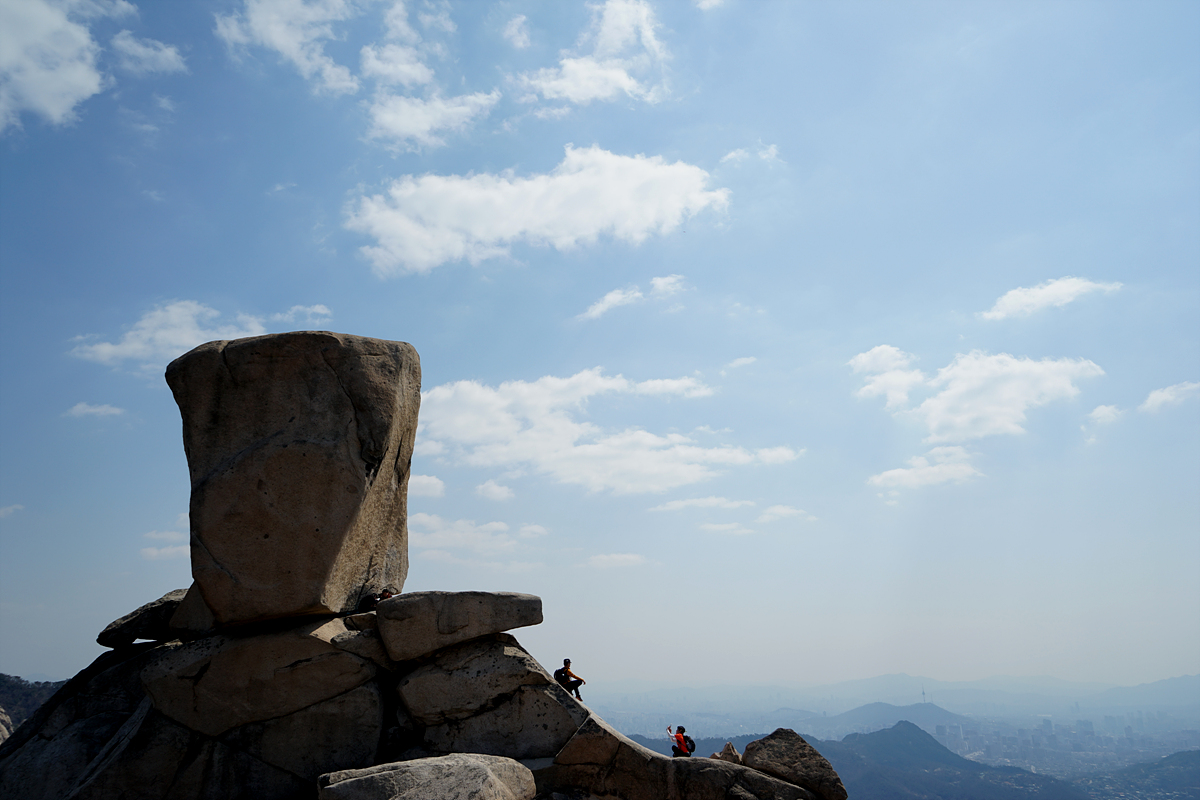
[[8, 511], [702, 502], [617, 297], [419, 223], [939, 465], [622, 50], [146, 56], [666, 285], [415, 123], [297, 31], [431, 532], [168, 551], [1023, 301], [772, 513], [516, 30], [311, 315], [89, 410], [1159, 399]]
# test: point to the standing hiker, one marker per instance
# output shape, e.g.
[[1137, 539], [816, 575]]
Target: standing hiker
[[569, 680]]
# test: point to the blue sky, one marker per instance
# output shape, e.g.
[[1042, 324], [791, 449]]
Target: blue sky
[[767, 342]]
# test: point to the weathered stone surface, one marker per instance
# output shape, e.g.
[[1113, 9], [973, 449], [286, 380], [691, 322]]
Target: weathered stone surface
[[786, 755], [467, 677], [603, 762], [419, 623], [533, 722], [453, 777], [6, 725], [298, 446], [728, 753], [342, 732], [214, 684], [150, 621]]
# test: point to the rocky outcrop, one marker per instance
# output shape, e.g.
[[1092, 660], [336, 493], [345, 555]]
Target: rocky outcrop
[[454, 777], [786, 755], [6, 725], [416, 624], [728, 753], [601, 761], [151, 621], [262, 680], [298, 447]]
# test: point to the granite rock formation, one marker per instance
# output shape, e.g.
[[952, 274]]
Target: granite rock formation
[[298, 447], [263, 681], [728, 753], [786, 755]]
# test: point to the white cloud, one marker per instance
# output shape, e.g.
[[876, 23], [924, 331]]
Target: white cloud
[[428, 447], [624, 44], [773, 513], [1170, 396], [297, 31], [744, 361], [431, 532], [146, 56], [765, 152], [616, 560], [736, 156], [423, 222], [1023, 301], [704, 5], [769, 153], [702, 502], [885, 366], [89, 410], [310, 315], [439, 20], [165, 553], [493, 491], [416, 123], [47, 59], [939, 465], [8, 511], [517, 32], [666, 285], [167, 332], [533, 424], [425, 486], [395, 64], [395, 22], [1105, 415], [617, 297], [777, 455], [167, 536], [986, 395], [734, 528], [532, 531]]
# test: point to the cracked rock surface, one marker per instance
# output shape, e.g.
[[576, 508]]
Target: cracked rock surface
[[298, 448]]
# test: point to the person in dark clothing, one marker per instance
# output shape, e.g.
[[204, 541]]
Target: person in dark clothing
[[569, 680]]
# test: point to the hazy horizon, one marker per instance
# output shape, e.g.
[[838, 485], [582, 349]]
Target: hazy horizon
[[803, 341]]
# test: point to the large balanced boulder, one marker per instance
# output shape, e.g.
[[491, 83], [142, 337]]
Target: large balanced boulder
[[419, 623], [467, 776], [298, 448], [786, 755]]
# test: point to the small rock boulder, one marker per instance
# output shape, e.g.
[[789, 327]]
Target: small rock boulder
[[464, 776], [150, 621], [419, 623], [786, 755], [728, 753], [298, 447]]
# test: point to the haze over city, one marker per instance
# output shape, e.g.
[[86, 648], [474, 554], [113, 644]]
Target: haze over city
[[768, 343]]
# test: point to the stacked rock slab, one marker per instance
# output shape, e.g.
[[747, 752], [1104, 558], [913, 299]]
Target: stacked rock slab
[[298, 447]]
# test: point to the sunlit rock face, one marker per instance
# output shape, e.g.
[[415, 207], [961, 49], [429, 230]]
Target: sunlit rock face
[[298, 447]]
